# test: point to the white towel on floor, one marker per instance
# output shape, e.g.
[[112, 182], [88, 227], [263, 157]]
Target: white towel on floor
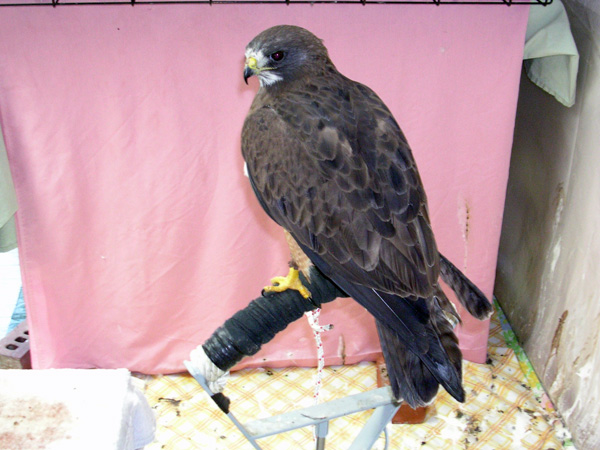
[[68, 409]]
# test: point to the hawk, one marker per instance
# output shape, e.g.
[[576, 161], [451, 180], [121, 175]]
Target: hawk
[[329, 163]]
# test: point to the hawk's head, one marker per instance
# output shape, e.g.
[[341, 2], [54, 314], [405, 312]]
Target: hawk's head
[[283, 53]]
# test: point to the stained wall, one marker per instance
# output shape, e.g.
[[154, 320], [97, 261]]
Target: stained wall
[[549, 259]]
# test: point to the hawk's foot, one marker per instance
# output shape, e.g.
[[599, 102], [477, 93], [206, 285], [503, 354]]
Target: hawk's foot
[[291, 281]]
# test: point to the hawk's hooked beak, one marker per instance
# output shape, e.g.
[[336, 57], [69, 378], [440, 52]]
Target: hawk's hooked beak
[[250, 68]]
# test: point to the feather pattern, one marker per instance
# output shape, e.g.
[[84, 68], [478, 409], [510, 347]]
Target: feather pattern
[[467, 293], [329, 163]]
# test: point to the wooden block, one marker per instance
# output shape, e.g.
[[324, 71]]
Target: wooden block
[[405, 414], [14, 348]]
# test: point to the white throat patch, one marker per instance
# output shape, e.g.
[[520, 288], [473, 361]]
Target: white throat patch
[[267, 78]]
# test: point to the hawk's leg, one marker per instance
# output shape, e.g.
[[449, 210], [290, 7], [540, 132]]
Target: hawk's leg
[[291, 281], [300, 262]]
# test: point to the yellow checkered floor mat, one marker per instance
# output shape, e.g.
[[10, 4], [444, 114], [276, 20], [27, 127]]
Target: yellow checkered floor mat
[[504, 409]]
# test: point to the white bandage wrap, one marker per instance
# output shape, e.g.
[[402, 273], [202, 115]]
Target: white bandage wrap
[[215, 377]]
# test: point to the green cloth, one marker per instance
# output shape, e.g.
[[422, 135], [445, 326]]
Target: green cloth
[[551, 56], [8, 203]]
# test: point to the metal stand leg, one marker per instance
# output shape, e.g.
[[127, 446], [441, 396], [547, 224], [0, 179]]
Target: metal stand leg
[[374, 427], [381, 400], [322, 429]]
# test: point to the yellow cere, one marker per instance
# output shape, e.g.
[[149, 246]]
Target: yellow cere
[[251, 62]]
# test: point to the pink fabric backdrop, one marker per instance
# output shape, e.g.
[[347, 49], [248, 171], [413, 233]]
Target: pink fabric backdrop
[[138, 232]]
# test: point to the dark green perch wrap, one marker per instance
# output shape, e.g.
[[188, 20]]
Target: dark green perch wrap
[[248, 329]]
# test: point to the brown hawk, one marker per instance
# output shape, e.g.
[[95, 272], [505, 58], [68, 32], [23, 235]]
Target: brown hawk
[[329, 163]]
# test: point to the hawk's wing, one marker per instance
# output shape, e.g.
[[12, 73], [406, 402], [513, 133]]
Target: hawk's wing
[[331, 166]]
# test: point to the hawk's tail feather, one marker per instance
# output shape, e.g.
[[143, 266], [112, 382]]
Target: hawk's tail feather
[[410, 379], [413, 351], [443, 323], [467, 293], [415, 377]]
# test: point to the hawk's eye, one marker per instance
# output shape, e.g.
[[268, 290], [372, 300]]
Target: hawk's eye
[[277, 56]]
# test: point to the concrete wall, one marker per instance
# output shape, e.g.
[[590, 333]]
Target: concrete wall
[[548, 278]]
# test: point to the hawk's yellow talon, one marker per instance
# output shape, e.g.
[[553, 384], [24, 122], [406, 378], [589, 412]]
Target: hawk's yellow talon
[[291, 281]]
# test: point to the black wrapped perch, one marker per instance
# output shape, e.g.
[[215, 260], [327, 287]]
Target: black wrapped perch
[[244, 333], [248, 329]]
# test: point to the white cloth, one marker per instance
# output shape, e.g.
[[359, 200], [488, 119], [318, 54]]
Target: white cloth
[[550, 54], [69, 409]]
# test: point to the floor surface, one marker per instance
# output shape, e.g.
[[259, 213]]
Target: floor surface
[[506, 408]]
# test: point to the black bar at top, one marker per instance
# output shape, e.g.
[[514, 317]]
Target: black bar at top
[[55, 3]]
